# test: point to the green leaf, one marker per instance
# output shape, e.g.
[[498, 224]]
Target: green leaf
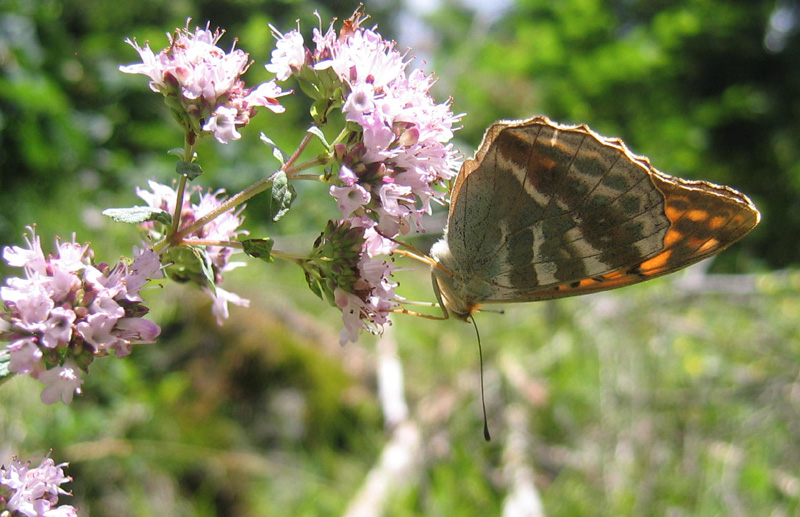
[[277, 152], [314, 130], [138, 214], [309, 88], [205, 266], [319, 110], [314, 285], [259, 248], [188, 169], [190, 264], [5, 361], [282, 195]]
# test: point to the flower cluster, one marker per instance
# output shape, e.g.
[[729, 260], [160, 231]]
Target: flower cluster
[[182, 263], [34, 492], [202, 83], [343, 268], [68, 311], [397, 150]]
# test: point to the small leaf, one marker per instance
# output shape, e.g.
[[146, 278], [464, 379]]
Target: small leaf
[[206, 266], [176, 151], [277, 152], [259, 248], [5, 362], [314, 130], [319, 110], [188, 169], [190, 264], [313, 284], [309, 88], [282, 195], [138, 214]]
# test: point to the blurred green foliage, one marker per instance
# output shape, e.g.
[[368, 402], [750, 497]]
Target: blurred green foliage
[[689, 84], [656, 400]]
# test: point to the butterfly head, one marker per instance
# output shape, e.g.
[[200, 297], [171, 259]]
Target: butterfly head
[[453, 288]]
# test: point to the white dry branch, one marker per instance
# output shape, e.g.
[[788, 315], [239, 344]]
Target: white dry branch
[[696, 279], [523, 498], [400, 463]]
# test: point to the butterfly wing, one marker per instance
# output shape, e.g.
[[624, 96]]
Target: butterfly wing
[[546, 211]]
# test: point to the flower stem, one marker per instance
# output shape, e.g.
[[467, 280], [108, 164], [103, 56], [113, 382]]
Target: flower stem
[[291, 172], [254, 189], [340, 136], [298, 151], [232, 202], [315, 177], [204, 242], [188, 152], [291, 257]]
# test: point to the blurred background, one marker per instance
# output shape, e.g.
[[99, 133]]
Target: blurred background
[[677, 397]]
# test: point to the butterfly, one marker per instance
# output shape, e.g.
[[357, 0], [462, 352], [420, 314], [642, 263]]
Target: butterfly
[[546, 211]]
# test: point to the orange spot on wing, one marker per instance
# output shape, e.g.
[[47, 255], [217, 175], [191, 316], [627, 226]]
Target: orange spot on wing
[[658, 262], [697, 215], [673, 236], [673, 214], [709, 244], [717, 222]]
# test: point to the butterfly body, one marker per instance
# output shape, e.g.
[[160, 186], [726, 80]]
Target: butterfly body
[[545, 211]]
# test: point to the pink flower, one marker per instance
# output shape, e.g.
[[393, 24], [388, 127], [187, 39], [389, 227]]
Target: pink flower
[[25, 356], [137, 330], [58, 327], [365, 56], [225, 227], [97, 329], [61, 382], [223, 124], [35, 490], [351, 306], [31, 257], [360, 102], [265, 94], [221, 299], [162, 197], [206, 81], [404, 135], [395, 160], [67, 310], [145, 267], [349, 199], [289, 54], [30, 299], [347, 176]]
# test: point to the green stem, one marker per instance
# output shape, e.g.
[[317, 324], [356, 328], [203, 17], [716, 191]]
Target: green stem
[[315, 177], [203, 242], [176, 217], [230, 203], [291, 257], [298, 151], [340, 136], [188, 152], [249, 192], [291, 172]]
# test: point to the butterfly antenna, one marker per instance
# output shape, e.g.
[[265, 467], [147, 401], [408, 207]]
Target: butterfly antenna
[[486, 434]]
